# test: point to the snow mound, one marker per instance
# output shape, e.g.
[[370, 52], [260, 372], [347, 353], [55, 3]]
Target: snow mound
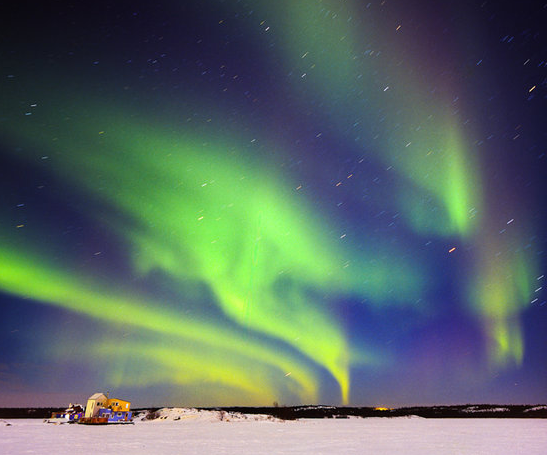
[[480, 409], [313, 407], [199, 415], [536, 408]]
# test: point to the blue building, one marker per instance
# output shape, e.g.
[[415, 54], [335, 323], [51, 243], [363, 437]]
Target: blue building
[[116, 416]]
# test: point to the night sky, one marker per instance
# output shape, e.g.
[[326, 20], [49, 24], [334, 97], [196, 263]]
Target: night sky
[[245, 202]]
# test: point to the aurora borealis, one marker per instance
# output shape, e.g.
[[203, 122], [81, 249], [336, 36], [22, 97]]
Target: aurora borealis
[[247, 202]]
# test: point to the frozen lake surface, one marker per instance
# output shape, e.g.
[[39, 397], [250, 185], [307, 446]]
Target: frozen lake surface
[[376, 436]]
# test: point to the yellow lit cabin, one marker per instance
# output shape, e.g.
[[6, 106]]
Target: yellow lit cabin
[[118, 405]]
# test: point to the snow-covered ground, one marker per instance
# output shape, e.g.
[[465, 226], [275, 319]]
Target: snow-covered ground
[[403, 435]]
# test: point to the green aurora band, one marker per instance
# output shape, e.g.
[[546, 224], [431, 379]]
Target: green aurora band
[[201, 211], [500, 291], [22, 275], [323, 43]]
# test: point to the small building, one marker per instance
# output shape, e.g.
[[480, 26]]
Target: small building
[[118, 405], [102, 409], [72, 414], [94, 403]]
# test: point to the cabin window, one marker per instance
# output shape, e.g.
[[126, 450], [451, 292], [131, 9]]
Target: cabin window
[[126, 405], [119, 414], [117, 403]]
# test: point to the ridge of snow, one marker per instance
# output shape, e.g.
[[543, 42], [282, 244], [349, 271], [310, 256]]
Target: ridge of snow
[[199, 415], [477, 409]]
